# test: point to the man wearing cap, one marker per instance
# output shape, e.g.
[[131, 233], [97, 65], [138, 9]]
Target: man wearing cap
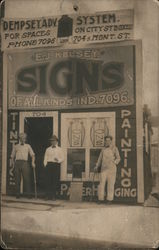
[[108, 159], [19, 156], [52, 160]]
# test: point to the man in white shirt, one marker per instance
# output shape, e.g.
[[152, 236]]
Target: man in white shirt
[[108, 159], [19, 156], [52, 160]]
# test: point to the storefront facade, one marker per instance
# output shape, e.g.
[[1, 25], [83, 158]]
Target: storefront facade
[[80, 95]]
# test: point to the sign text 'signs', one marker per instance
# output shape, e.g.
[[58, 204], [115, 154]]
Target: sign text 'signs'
[[70, 77]]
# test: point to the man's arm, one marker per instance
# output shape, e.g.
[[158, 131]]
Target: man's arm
[[45, 158], [117, 156], [32, 154], [33, 161], [99, 161]]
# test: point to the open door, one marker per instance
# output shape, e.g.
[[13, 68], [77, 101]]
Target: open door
[[39, 126]]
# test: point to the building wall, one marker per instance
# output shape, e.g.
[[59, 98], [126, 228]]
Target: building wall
[[146, 23], [145, 28]]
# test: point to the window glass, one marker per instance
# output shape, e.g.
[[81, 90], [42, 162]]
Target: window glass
[[76, 162]]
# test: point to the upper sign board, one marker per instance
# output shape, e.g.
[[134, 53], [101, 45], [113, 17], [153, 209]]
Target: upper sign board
[[101, 27]]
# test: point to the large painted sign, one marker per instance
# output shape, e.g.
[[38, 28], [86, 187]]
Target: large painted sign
[[65, 79], [73, 29]]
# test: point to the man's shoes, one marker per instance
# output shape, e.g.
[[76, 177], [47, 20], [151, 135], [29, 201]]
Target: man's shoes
[[47, 198], [17, 196], [28, 196], [100, 202], [155, 195], [109, 202]]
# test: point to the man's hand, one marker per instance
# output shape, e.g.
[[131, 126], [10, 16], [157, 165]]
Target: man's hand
[[12, 162], [33, 161], [56, 159], [33, 164]]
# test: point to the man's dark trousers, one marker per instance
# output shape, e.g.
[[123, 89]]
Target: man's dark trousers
[[52, 179], [22, 168]]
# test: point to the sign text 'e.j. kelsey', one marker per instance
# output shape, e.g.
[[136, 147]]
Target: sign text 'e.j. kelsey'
[[71, 78]]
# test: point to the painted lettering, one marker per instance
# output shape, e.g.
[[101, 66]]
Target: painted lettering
[[70, 77]]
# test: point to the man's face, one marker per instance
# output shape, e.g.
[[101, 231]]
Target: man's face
[[53, 142], [108, 142], [22, 139]]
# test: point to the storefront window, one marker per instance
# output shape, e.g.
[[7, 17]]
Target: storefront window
[[82, 138]]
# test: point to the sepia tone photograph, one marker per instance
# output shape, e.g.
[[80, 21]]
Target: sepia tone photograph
[[79, 93]]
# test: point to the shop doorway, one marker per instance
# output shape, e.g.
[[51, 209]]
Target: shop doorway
[[39, 129]]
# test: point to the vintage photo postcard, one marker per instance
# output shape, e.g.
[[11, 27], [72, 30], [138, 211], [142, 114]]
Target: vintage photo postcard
[[79, 124]]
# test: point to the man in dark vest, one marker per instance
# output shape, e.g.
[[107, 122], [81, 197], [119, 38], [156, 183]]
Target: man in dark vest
[[52, 160]]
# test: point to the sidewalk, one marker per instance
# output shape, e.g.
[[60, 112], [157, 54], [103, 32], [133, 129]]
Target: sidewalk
[[101, 225]]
